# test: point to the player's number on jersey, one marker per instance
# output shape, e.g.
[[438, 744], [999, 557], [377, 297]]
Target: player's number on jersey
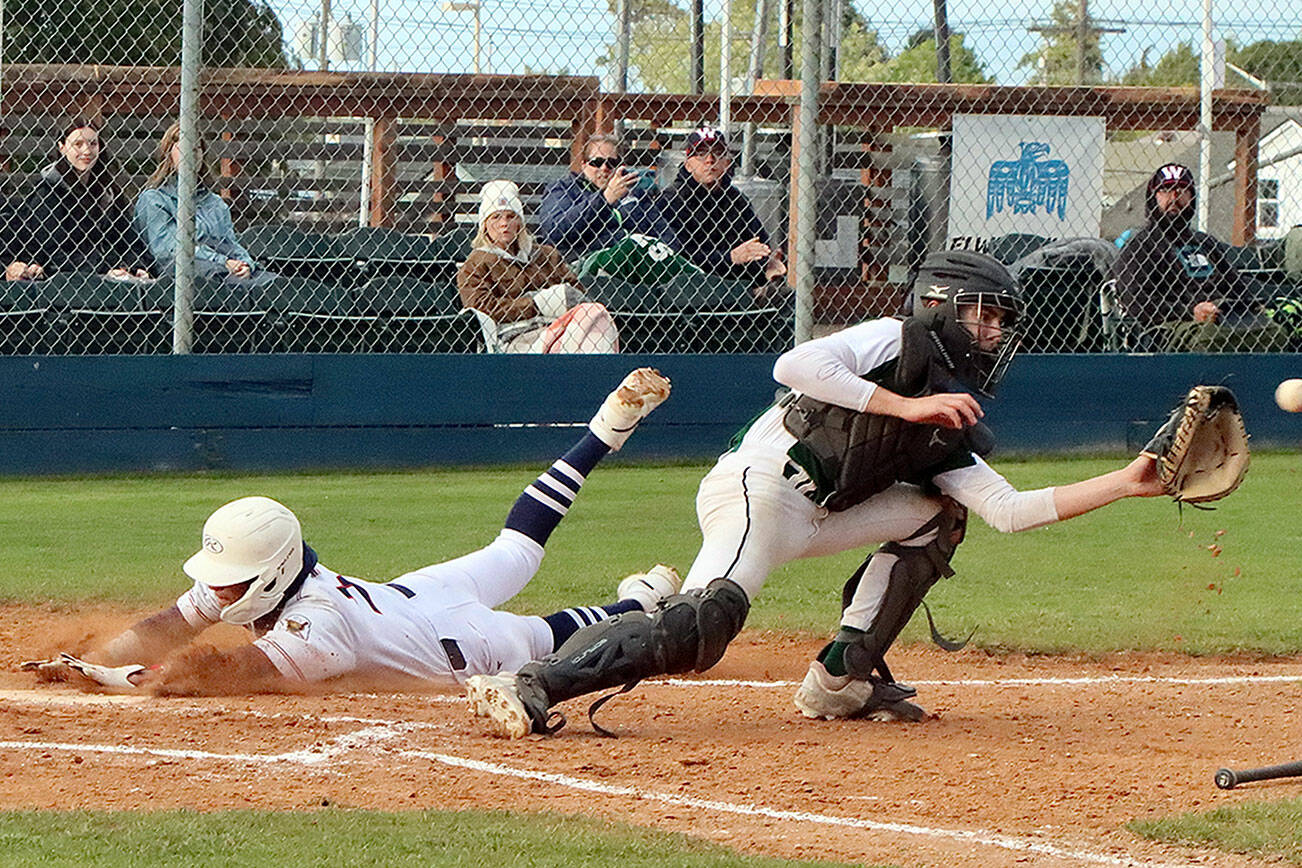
[[348, 588]]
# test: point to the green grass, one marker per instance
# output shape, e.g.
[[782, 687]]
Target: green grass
[[348, 838], [1271, 830], [1135, 575]]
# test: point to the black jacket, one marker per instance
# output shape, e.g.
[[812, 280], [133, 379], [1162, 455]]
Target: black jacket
[[1168, 267], [707, 223], [66, 226]]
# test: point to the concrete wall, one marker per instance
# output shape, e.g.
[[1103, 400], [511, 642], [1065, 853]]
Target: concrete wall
[[86, 414]]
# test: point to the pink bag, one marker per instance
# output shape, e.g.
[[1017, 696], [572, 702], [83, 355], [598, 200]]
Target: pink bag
[[584, 328]]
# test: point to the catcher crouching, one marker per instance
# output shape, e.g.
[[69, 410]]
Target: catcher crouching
[[879, 443]]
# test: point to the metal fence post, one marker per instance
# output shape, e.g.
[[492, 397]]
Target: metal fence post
[[807, 161], [183, 300], [1206, 80]]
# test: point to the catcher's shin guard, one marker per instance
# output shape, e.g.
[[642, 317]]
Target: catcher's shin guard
[[916, 570], [689, 632]]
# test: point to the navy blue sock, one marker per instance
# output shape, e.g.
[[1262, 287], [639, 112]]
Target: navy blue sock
[[544, 503], [567, 622]]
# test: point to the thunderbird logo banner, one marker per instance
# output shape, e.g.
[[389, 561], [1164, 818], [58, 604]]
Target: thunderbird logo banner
[[1034, 174]]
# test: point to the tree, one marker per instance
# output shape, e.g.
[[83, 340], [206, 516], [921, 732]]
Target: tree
[[1178, 67], [140, 33], [661, 37], [1277, 63], [1057, 62], [917, 63]]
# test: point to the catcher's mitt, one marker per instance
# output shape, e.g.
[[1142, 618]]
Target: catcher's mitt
[[1202, 449]]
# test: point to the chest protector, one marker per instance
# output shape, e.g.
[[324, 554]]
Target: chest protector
[[856, 455]]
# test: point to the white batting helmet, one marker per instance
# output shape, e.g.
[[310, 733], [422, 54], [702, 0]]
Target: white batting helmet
[[255, 540]]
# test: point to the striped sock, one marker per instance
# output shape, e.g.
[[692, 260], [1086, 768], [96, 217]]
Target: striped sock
[[567, 622], [544, 503]]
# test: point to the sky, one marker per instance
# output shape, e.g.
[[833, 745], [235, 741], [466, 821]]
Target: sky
[[554, 35]]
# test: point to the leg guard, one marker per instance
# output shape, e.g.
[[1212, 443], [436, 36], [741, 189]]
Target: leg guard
[[688, 633], [916, 570]]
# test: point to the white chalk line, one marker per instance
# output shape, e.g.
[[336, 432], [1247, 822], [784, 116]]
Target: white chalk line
[[368, 738], [993, 839], [41, 696], [1070, 681], [349, 742]]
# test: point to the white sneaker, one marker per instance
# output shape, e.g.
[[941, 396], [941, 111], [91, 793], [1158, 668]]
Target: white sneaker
[[649, 588], [824, 696], [494, 698], [640, 393]]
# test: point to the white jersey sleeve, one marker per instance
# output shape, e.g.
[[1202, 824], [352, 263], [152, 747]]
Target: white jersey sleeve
[[831, 368], [983, 490], [311, 644], [199, 606]]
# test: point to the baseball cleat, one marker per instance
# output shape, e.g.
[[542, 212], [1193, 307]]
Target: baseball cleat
[[641, 392], [824, 696], [650, 588], [495, 698]]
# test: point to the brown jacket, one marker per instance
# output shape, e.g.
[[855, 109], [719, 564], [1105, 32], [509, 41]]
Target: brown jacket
[[497, 285]]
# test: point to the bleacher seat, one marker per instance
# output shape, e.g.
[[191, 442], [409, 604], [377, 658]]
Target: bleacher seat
[[1013, 246], [728, 317], [309, 316], [294, 252], [92, 315], [416, 316], [453, 245], [645, 323], [382, 252], [228, 316], [24, 318], [1062, 307]]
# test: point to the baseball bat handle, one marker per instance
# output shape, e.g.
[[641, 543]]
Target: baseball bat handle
[[1227, 779]]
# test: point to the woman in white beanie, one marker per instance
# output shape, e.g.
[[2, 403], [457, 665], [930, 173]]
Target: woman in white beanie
[[525, 287]]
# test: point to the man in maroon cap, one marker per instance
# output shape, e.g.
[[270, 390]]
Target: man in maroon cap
[[713, 223]]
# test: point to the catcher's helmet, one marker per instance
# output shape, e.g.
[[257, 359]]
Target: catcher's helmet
[[949, 280], [255, 540]]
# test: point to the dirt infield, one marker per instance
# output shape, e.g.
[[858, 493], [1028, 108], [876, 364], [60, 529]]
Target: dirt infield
[[1034, 761]]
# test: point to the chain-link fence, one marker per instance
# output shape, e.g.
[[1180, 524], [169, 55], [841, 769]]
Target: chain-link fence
[[532, 176]]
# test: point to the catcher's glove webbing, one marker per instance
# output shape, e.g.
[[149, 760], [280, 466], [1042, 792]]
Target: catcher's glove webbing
[[1202, 449]]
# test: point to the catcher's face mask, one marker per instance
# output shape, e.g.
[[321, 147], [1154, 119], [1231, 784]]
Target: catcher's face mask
[[991, 323], [973, 305]]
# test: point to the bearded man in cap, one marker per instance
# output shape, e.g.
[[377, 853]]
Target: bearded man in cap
[[1170, 272]]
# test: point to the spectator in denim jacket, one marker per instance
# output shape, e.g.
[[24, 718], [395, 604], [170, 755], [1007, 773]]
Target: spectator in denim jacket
[[217, 252]]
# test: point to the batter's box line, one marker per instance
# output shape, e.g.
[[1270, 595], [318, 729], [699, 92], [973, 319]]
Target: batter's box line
[[366, 740], [990, 839]]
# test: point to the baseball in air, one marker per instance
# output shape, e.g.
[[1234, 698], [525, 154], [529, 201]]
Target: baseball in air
[[1288, 395]]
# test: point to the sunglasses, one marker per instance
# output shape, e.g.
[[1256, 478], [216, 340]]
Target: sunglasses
[[605, 162]]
